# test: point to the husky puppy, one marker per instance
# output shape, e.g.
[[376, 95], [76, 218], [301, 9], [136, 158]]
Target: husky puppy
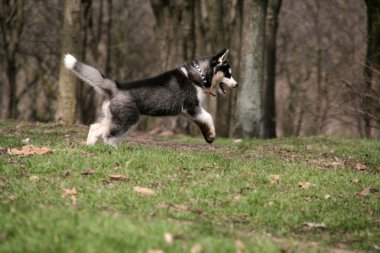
[[181, 90]]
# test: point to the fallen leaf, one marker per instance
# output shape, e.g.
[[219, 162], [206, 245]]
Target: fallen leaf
[[67, 173], [235, 199], [29, 150], [355, 180], [106, 181], [69, 192], [127, 163], [181, 208], [155, 251], [34, 178], [168, 238], [3, 150], [314, 225], [25, 141], [337, 163], [240, 248], [143, 191], [304, 185], [196, 248], [87, 172], [119, 177], [327, 196], [360, 167], [274, 179], [363, 192]]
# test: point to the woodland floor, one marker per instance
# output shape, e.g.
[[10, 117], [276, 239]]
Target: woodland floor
[[178, 194]]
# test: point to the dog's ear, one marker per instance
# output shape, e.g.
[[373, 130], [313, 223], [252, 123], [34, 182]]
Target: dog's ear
[[220, 57]]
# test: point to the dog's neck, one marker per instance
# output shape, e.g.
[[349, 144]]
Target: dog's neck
[[204, 79]]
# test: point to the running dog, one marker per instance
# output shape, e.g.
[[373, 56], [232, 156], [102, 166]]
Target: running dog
[[178, 91]]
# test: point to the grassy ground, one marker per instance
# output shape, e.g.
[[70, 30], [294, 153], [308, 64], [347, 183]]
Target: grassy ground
[[316, 194]]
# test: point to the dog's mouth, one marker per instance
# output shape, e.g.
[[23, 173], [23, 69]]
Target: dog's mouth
[[223, 88]]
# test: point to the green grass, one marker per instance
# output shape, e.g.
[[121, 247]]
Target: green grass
[[223, 194]]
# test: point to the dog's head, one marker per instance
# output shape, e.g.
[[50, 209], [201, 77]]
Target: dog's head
[[221, 72]]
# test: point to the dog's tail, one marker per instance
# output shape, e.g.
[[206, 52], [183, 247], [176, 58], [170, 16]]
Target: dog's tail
[[90, 75]]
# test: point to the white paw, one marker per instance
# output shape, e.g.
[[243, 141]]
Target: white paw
[[70, 61]]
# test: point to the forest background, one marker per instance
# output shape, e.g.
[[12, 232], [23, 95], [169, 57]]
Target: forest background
[[306, 67]]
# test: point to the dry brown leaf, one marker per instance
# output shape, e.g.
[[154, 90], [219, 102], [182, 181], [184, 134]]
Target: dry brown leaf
[[240, 248], [337, 163], [143, 191], [29, 150], [69, 192], [127, 163], [304, 185], [363, 192], [3, 150], [314, 225], [355, 180], [25, 141], [119, 177], [274, 179], [13, 197], [360, 167], [235, 199], [87, 172], [155, 251], [168, 238], [34, 178], [181, 208], [196, 248]]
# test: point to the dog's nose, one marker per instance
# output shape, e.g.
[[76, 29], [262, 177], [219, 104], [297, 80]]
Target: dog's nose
[[236, 85]]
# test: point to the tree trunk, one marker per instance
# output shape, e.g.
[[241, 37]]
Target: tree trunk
[[71, 43], [372, 63], [249, 104], [269, 119], [175, 31], [11, 28]]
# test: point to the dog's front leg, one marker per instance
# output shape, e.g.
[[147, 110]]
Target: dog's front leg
[[204, 121]]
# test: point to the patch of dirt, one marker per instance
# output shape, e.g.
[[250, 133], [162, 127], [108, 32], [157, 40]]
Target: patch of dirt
[[144, 139]]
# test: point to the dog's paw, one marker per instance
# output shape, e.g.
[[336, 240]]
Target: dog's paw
[[210, 138]]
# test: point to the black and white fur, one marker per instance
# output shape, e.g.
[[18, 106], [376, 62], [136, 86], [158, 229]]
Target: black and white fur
[[181, 90]]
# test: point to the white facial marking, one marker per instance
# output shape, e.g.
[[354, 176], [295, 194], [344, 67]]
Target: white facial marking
[[230, 82]]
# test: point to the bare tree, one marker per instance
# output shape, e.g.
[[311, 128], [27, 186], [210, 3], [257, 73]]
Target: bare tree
[[71, 43], [249, 105], [12, 22], [372, 62], [269, 119]]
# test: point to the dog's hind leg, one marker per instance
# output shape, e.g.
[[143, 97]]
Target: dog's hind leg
[[204, 121], [124, 118], [93, 134], [96, 130]]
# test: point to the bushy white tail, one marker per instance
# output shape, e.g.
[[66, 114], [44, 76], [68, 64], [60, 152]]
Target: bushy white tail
[[90, 75], [70, 61]]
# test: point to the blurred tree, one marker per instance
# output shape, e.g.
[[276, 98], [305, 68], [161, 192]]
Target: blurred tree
[[269, 117], [372, 63], [71, 43], [12, 22], [249, 111]]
